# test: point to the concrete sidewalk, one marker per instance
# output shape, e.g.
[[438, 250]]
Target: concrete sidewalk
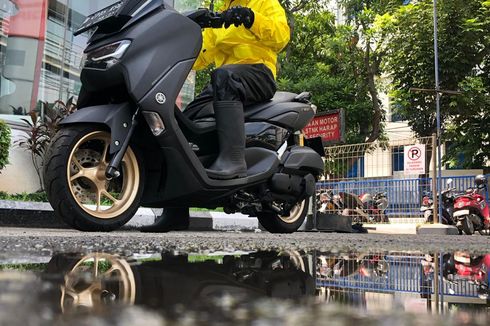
[[392, 228], [33, 214], [40, 215]]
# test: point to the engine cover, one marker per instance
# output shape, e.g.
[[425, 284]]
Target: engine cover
[[294, 185]]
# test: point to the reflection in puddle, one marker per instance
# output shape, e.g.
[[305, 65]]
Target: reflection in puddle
[[251, 287]]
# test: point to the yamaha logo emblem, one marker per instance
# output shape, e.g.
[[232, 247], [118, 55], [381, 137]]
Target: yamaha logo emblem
[[160, 98]]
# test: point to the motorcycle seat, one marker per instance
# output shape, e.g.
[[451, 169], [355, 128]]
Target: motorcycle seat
[[284, 107]]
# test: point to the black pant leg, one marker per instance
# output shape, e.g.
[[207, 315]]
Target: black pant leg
[[245, 83]]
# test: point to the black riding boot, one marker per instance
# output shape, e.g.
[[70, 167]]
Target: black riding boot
[[172, 219], [231, 136]]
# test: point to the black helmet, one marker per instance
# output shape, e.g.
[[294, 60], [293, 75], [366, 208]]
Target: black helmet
[[480, 180]]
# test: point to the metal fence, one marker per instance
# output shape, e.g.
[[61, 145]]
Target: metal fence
[[380, 167], [395, 273], [373, 160], [404, 195]]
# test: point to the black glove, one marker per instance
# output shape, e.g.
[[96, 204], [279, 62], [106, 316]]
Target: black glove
[[238, 16]]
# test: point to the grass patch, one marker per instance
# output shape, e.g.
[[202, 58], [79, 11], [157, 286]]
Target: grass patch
[[42, 197], [36, 197], [203, 258], [40, 267], [198, 209]]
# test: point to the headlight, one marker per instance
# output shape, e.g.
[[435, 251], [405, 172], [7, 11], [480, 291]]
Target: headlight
[[106, 55]]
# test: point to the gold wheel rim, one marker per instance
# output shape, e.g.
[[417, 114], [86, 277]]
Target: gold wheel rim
[[295, 257], [295, 213], [86, 179], [94, 277]]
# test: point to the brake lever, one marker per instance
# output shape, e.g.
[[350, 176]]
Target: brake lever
[[210, 20], [217, 21]]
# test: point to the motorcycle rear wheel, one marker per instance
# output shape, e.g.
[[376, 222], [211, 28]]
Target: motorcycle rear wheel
[[76, 185], [468, 227], [484, 232], [275, 223]]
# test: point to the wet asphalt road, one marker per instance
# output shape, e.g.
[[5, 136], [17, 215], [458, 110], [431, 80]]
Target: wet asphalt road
[[30, 297], [18, 243]]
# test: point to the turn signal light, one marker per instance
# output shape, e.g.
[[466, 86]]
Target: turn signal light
[[155, 122]]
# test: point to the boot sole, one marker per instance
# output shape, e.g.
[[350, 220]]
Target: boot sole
[[213, 175]]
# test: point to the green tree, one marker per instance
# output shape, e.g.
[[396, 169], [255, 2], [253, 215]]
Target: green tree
[[4, 144], [468, 134], [463, 54], [367, 19], [340, 65]]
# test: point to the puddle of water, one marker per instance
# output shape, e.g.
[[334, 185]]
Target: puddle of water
[[264, 288]]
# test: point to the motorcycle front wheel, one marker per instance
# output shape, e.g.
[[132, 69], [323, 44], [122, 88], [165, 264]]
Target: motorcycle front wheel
[[76, 185]]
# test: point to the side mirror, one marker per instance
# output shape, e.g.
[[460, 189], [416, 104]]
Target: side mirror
[[449, 181]]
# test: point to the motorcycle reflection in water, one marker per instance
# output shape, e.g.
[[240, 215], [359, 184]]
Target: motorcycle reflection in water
[[353, 278], [97, 281]]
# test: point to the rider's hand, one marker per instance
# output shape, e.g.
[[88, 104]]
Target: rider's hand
[[238, 16]]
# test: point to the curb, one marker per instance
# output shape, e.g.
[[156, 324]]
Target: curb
[[432, 229], [392, 228], [40, 215]]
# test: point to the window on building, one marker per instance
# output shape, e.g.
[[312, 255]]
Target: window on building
[[457, 162], [357, 169], [395, 115], [397, 157], [40, 58]]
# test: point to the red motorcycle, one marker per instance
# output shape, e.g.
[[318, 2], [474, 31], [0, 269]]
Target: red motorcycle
[[471, 210], [474, 268]]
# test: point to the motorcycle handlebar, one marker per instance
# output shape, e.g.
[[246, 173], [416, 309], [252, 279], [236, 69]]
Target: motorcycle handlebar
[[206, 18]]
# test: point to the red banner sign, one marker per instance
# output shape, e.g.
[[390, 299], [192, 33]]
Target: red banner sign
[[30, 19], [328, 126]]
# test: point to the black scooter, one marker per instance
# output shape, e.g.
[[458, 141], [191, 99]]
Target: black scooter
[[132, 146]]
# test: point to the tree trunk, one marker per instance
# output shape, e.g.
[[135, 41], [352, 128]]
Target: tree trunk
[[377, 114]]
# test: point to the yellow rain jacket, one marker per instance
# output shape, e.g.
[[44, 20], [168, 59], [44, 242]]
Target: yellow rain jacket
[[261, 43]]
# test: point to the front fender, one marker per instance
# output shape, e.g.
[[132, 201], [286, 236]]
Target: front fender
[[115, 116]]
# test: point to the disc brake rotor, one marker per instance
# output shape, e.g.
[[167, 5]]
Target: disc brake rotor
[[83, 188]]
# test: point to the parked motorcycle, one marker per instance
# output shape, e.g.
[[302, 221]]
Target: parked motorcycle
[[376, 206], [328, 202], [365, 208], [471, 209], [366, 265], [474, 268], [133, 147], [448, 197]]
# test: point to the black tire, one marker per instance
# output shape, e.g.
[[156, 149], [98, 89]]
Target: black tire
[[484, 232], [384, 218], [430, 219], [468, 226], [274, 223], [65, 206]]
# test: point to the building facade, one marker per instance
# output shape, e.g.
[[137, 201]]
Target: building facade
[[40, 60]]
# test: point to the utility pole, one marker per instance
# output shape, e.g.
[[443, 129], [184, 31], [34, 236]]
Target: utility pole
[[438, 111], [438, 92]]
